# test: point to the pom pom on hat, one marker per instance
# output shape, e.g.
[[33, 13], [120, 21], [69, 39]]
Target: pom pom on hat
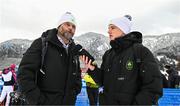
[[67, 17], [13, 66], [124, 23]]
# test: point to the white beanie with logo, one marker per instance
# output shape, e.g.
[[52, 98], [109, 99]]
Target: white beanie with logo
[[67, 17], [124, 23]]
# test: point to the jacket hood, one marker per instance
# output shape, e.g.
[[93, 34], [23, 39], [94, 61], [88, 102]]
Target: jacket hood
[[126, 41], [135, 37], [51, 36]]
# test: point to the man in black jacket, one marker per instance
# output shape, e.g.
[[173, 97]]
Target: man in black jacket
[[126, 78], [59, 81]]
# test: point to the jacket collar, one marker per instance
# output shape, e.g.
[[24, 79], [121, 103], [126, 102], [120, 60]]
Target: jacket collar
[[122, 43], [51, 36]]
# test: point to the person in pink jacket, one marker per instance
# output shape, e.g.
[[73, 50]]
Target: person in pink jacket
[[9, 81]]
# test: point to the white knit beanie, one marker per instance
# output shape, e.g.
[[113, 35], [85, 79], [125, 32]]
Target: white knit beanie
[[124, 23], [67, 17]]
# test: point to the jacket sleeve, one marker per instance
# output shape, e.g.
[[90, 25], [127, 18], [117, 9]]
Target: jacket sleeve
[[98, 73], [150, 80], [29, 66]]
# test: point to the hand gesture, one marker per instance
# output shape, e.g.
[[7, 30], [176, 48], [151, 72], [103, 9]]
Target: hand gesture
[[86, 63]]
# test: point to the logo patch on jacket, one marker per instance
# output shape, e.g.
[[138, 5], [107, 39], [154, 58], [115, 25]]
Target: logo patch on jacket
[[129, 65]]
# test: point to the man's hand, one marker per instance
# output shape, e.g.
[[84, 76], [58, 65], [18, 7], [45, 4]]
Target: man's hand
[[86, 63]]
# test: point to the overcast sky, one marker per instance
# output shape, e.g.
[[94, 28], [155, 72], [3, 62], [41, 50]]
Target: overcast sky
[[27, 19]]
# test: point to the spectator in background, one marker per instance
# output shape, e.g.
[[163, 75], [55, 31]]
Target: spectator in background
[[175, 77], [165, 76], [9, 81], [176, 80], [171, 75], [178, 74]]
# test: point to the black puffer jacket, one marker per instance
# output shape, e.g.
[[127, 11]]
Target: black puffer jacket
[[123, 82], [61, 82]]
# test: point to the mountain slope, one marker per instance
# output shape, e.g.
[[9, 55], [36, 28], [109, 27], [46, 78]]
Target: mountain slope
[[96, 44]]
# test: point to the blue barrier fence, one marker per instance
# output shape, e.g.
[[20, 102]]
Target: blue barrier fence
[[82, 98], [171, 97]]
